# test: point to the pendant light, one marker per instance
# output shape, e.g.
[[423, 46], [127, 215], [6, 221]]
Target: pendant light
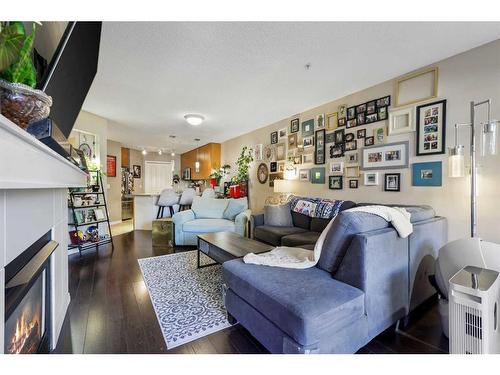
[[197, 162]]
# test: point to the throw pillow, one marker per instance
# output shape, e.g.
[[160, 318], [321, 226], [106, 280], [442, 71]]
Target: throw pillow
[[278, 216], [235, 207]]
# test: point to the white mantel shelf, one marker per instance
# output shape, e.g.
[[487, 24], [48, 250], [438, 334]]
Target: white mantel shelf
[[26, 163]]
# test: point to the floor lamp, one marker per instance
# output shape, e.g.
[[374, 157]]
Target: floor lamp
[[456, 163]]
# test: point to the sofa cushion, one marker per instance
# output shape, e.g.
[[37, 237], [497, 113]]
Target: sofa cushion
[[299, 239], [209, 208], [208, 226], [302, 303], [338, 239], [418, 213], [278, 215], [318, 224], [301, 220], [235, 207], [272, 235]]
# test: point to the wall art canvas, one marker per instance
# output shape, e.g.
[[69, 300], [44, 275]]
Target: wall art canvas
[[308, 128], [318, 175], [431, 128], [427, 174], [388, 156], [111, 166]]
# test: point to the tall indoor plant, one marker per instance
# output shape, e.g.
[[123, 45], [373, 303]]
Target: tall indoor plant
[[239, 187], [19, 100]]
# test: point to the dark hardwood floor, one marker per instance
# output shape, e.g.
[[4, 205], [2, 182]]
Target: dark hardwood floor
[[110, 312]]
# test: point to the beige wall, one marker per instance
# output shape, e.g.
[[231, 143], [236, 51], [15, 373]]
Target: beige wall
[[473, 75], [114, 196]]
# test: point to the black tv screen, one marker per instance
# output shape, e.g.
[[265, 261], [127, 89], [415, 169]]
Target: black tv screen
[[71, 71]]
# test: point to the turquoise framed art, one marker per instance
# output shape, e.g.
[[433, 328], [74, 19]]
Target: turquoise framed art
[[318, 175], [427, 174]]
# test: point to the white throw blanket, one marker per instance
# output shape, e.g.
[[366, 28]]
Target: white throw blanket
[[294, 257]]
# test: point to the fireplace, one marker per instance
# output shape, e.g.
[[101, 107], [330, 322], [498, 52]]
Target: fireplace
[[27, 299]]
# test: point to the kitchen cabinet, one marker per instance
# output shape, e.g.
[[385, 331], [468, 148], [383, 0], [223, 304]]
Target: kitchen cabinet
[[209, 158]]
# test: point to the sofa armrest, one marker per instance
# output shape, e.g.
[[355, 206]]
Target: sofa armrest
[[182, 217], [241, 221], [255, 221]]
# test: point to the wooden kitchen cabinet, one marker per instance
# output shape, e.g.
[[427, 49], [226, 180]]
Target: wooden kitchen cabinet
[[208, 156]]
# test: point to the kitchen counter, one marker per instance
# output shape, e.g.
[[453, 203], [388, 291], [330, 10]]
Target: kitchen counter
[[145, 210]]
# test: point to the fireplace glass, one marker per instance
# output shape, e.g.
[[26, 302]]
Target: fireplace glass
[[24, 328]]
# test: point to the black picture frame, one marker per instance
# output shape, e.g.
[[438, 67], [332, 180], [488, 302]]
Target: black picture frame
[[361, 133], [350, 146], [396, 188], [352, 123], [136, 171], [294, 125], [342, 121], [319, 147], [441, 129], [330, 137], [348, 137], [360, 119], [337, 150], [371, 107], [339, 136], [274, 138], [273, 167], [369, 141], [353, 184], [384, 101], [351, 113], [332, 185]]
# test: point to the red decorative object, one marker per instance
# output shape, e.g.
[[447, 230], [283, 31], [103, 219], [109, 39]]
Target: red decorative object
[[213, 183], [243, 189], [111, 166], [235, 191]]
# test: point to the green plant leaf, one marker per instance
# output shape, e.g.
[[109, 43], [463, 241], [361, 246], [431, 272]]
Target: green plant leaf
[[11, 43], [24, 70]]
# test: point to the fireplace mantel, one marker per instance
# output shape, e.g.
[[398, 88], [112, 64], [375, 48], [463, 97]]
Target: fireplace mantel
[[33, 201], [26, 163]]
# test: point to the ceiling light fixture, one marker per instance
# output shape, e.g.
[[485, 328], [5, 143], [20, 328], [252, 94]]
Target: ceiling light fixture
[[194, 119], [144, 152], [173, 153], [159, 152], [197, 163]]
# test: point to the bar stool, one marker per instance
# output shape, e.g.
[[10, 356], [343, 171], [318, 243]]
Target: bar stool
[[168, 198], [208, 193], [186, 199]]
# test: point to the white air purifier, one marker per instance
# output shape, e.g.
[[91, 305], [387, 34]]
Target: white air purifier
[[473, 311]]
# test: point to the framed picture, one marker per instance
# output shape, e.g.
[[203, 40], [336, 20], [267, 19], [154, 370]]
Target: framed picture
[[369, 141], [318, 175], [262, 173], [274, 138], [99, 214], [292, 141], [330, 137], [335, 182], [282, 133], [339, 136], [257, 152], [336, 167], [308, 142], [388, 156], [136, 170], [371, 178], [297, 159], [353, 184], [273, 167], [370, 107], [361, 108], [308, 128], [392, 181], [307, 158], [352, 158], [342, 111], [332, 121], [351, 113], [294, 125], [268, 153], [281, 166], [320, 121], [401, 121], [350, 146], [352, 171], [384, 102], [320, 151], [431, 128], [427, 174], [337, 150], [379, 135], [342, 121], [273, 177], [360, 119], [382, 113], [280, 151], [371, 118], [111, 166], [348, 137], [304, 175], [352, 123], [417, 87], [361, 133]]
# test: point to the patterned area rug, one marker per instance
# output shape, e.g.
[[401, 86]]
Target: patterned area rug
[[187, 301]]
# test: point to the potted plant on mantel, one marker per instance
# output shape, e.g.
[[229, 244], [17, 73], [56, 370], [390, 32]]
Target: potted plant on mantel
[[20, 102], [217, 175], [239, 187]]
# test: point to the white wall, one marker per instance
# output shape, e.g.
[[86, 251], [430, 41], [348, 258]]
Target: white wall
[[473, 75]]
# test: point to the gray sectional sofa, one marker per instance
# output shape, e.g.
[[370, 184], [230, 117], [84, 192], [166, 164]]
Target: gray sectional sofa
[[367, 278]]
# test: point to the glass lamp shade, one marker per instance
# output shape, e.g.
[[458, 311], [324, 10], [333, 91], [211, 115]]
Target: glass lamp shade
[[489, 139], [456, 165], [197, 166], [283, 186]]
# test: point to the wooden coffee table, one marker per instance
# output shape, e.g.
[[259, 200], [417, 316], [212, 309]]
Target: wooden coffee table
[[224, 246]]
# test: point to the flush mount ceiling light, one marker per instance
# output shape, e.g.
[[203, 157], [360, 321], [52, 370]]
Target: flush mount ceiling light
[[144, 152], [159, 152], [194, 119]]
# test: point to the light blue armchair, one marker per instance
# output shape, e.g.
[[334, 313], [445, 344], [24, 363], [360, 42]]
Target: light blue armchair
[[208, 215]]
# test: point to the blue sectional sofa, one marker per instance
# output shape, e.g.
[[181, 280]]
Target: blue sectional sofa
[[367, 278]]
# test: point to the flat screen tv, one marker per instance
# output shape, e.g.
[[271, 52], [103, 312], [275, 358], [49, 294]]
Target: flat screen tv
[[71, 71]]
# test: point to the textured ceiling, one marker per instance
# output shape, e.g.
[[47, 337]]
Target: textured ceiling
[[242, 76]]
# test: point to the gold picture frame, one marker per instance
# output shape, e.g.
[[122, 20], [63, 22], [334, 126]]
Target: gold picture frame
[[427, 77], [332, 121], [351, 171]]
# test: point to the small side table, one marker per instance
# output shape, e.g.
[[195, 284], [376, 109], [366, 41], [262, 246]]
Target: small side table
[[163, 232]]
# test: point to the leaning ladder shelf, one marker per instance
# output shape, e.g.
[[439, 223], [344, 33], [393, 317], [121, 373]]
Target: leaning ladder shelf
[[85, 245]]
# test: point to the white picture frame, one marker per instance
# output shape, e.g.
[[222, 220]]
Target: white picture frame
[[370, 178], [257, 152], [282, 134], [308, 159], [386, 156], [336, 168], [351, 158], [401, 121], [304, 175], [280, 151]]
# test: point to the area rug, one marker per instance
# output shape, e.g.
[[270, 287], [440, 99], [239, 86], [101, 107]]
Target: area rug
[[187, 300]]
